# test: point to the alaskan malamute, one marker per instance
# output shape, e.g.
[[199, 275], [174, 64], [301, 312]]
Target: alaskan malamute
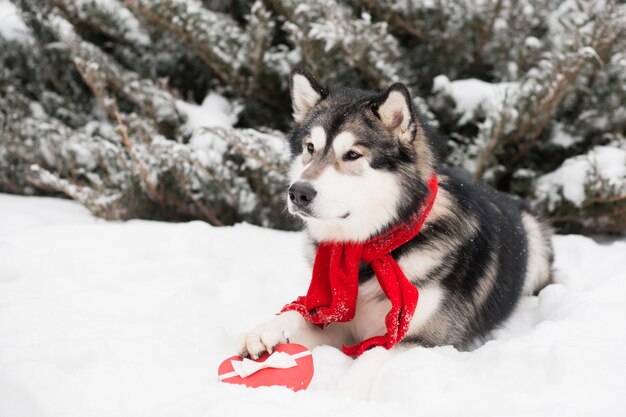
[[361, 162]]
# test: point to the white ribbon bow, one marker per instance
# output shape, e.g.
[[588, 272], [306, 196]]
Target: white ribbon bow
[[247, 367], [278, 360]]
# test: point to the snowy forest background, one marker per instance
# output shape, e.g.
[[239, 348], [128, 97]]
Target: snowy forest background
[[177, 109]]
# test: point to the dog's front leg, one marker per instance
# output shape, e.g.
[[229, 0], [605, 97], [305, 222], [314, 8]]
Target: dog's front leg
[[287, 327]]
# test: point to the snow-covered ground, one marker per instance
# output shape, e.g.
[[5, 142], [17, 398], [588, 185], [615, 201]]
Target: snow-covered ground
[[132, 319]]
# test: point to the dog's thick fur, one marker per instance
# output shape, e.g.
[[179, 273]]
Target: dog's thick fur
[[361, 161]]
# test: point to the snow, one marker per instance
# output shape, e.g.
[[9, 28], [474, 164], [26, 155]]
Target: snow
[[215, 111], [470, 94], [132, 319], [560, 137], [532, 42], [570, 179], [12, 26], [125, 19]]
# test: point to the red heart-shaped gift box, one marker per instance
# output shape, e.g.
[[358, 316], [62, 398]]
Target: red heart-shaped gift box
[[296, 378]]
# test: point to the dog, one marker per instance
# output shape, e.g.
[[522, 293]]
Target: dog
[[360, 164]]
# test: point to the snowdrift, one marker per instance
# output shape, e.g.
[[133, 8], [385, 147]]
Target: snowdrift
[[132, 319]]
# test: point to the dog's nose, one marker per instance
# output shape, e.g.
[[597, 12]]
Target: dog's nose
[[302, 193]]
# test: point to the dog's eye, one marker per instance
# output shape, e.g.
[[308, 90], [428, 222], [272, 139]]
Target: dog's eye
[[310, 148], [351, 156]]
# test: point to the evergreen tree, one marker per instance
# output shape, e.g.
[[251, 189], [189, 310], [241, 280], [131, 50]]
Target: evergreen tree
[[104, 101]]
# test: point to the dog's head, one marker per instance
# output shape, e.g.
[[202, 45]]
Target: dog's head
[[361, 159]]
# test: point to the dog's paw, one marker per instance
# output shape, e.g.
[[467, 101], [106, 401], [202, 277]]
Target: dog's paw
[[263, 338]]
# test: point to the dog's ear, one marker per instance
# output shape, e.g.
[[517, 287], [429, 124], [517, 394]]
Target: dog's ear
[[396, 111], [306, 92]]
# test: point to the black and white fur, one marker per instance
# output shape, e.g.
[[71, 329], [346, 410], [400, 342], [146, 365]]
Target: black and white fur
[[361, 161]]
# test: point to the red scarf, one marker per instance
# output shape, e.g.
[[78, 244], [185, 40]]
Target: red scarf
[[334, 286]]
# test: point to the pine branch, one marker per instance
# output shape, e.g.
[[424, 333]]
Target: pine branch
[[397, 21], [101, 73], [604, 37], [485, 36]]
